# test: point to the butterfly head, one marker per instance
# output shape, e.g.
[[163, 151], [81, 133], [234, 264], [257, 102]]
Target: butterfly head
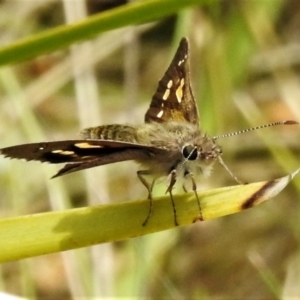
[[199, 156], [207, 150]]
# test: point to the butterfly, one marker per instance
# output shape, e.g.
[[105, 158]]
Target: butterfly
[[169, 144]]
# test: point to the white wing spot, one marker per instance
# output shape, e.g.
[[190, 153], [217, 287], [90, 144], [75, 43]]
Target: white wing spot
[[182, 61], [86, 146], [160, 114], [166, 94], [62, 152], [179, 92], [170, 83], [67, 152]]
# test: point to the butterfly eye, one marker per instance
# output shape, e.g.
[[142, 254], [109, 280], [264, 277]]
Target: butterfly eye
[[190, 152]]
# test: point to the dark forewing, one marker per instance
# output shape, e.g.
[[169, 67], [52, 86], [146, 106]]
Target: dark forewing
[[79, 154], [64, 151], [173, 99]]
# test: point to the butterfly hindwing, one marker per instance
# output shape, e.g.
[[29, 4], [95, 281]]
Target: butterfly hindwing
[[122, 154], [173, 99]]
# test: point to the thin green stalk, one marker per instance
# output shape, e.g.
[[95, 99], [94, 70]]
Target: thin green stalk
[[63, 36]]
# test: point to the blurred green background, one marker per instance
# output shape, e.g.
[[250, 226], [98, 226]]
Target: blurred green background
[[245, 58]]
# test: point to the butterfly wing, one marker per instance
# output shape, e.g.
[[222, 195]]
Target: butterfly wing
[[173, 99], [79, 154]]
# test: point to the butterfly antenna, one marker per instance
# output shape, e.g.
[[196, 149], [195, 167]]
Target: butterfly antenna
[[288, 122]]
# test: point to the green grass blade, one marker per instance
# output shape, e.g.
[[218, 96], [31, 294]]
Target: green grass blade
[[63, 36], [43, 233]]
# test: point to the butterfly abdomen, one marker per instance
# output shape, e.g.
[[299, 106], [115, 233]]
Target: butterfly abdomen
[[114, 132]]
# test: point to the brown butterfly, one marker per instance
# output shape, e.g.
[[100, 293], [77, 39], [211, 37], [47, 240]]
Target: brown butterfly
[[170, 143]]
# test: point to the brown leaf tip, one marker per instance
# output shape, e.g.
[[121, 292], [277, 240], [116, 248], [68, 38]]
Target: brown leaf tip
[[255, 198]]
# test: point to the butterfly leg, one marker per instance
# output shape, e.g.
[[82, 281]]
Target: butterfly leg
[[172, 176], [194, 188], [149, 187]]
